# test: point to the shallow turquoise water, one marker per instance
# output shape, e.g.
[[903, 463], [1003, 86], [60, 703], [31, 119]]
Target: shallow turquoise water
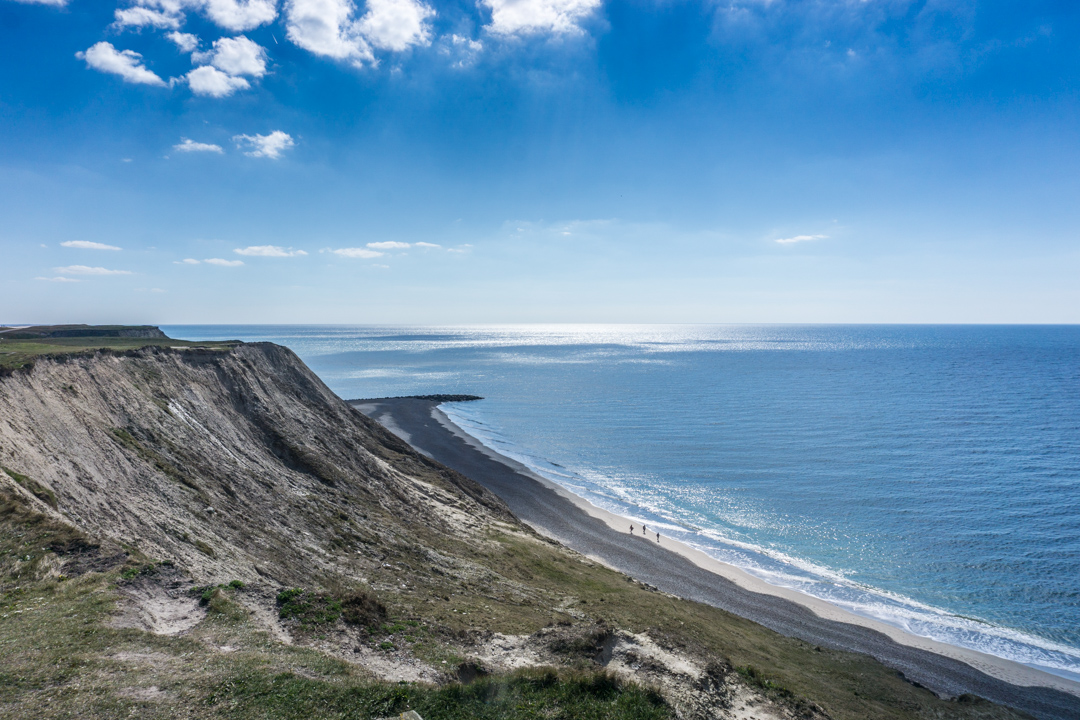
[[928, 476]]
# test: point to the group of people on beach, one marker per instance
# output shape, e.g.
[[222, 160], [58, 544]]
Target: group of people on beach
[[644, 531]]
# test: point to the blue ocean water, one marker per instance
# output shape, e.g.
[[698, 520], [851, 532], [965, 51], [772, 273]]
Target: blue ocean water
[[926, 476]]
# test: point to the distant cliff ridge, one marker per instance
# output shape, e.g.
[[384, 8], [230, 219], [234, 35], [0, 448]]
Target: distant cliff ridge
[[82, 331]]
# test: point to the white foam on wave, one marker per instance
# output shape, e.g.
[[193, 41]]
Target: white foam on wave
[[784, 570]]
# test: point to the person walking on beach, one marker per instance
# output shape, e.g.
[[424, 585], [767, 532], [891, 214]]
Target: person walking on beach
[[657, 537], [631, 528], [644, 530]]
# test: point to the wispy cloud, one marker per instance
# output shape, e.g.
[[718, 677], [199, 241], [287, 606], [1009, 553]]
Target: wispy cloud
[[57, 279], [363, 253], [268, 146], [223, 263], [188, 146], [55, 3], [87, 270], [464, 49], [125, 63], [140, 17], [187, 261], [87, 245], [268, 251], [426, 245], [800, 238], [389, 245]]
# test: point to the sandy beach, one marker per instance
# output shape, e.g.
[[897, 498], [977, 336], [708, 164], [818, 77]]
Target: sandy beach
[[678, 569]]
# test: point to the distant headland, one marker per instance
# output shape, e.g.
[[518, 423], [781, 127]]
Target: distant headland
[[81, 331]]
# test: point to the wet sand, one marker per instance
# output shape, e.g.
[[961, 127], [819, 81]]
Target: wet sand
[[680, 570]]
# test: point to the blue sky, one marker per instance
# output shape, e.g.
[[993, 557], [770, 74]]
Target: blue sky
[[341, 161]]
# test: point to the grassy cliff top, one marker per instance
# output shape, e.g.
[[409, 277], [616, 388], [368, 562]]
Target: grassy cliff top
[[21, 346]]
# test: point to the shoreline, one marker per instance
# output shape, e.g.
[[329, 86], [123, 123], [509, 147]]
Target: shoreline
[[681, 570], [1001, 668]]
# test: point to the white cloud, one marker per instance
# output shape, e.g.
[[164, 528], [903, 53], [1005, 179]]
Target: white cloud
[[268, 146], [363, 253], [145, 17], [187, 146], [87, 245], [208, 80], [187, 261], [396, 24], [169, 7], [268, 251], [185, 41], [55, 3], [522, 17], [240, 15], [125, 63], [223, 263], [86, 270], [800, 238], [325, 27], [389, 245], [57, 279], [234, 15], [236, 56], [427, 245]]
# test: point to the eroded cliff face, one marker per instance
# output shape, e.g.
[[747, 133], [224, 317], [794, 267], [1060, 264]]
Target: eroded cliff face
[[234, 464]]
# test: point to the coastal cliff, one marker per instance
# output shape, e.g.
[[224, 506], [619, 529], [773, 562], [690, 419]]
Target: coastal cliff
[[229, 463], [213, 532]]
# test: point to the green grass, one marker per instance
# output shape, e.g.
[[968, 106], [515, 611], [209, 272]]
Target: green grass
[[790, 671], [17, 354], [308, 608], [542, 693], [38, 490], [63, 659]]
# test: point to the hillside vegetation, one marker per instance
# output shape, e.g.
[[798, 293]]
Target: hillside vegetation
[[19, 347], [196, 532]]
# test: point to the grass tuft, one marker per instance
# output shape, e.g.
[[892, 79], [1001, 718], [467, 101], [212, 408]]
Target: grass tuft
[[307, 607]]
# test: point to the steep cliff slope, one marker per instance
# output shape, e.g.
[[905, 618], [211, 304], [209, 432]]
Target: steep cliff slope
[[234, 464]]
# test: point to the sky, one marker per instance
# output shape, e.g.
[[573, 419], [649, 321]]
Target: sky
[[502, 161]]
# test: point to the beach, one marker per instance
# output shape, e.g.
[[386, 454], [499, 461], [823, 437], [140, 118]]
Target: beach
[[682, 571]]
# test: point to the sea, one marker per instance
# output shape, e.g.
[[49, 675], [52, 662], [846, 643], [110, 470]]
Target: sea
[[924, 476]]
